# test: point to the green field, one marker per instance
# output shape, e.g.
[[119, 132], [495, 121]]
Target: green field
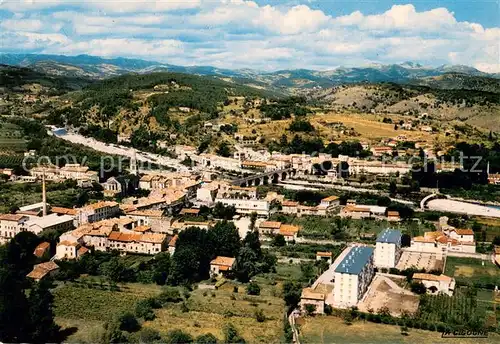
[[460, 309], [82, 310], [330, 329], [73, 301], [472, 271], [210, 310]]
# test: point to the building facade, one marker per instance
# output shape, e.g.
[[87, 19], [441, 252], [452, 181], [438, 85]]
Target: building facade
[[353, 275]]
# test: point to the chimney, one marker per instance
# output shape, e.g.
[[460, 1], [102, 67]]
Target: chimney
[[44, 195]]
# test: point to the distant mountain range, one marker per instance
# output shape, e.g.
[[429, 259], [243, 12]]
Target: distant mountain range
[[98, 68]]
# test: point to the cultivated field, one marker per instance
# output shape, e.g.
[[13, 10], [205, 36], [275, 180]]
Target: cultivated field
[[330, 329], [82, 310], [469, 270]]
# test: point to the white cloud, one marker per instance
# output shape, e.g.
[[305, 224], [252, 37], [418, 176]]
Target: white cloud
[[124, 47], [26, 25]]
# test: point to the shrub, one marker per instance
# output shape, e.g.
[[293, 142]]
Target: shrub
[[231, 335], [253, 289], [148, 335], [128, 322], [310, 309], [328, 310], [169, 294], [144, 310], [178, 337], [206, 339], [259, 315]]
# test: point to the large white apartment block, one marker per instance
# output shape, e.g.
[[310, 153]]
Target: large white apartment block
[[353, 275], [10, 225], [388, 249]]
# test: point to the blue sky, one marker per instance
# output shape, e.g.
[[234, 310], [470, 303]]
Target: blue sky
[[265, 35]]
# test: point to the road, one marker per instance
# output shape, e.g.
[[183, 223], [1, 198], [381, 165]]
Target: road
[[305, 185], [116, 149]]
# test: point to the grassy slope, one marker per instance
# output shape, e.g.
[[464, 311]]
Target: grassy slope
[[329, 329]]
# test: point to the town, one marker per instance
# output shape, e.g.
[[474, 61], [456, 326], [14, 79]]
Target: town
[[203, 172]]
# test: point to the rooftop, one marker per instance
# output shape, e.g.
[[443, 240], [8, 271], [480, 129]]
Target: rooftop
[[354, 262], [389, 236], [309, 293], [11, 217], [49, 220], [223, 261]]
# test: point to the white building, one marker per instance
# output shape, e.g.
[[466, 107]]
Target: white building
[[311, 297], [10, 225], [96, 212], [353, 276], [221, 265], [388, 249], [50, 222], [248, 206], [436, 284]]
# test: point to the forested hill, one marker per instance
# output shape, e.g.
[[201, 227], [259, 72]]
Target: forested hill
[[16, 77]]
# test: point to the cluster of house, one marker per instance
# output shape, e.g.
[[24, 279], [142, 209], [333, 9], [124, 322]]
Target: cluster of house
[[353, 271], [123, 234], [82, 174], [446, 238], [246, 201], [31, 219], [358, 212]]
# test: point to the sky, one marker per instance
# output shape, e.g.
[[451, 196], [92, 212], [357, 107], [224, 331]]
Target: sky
[[263, 35]]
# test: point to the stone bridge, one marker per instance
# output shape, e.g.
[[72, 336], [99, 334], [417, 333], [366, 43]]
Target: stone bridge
[[265, 178]]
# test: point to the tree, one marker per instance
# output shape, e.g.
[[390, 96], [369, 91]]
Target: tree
[[207, 338], [496, 240], [144, 309], [245, 264], [259, 315], [253, 219], [225, 239], [114, 269], [128, 322], [253, 289], [291, 294], [251, 240], [113, 334], [310, 309], [44, 329], [148, 335], [223, 149], [307, 270], [161, 267], [278, 241], [178, 337], [221, 211], [418, 288], [231, 335], [393, 189]]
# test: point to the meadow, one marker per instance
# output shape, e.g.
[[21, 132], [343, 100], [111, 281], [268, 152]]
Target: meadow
[[84, 306], [473, 271], [331, 329]]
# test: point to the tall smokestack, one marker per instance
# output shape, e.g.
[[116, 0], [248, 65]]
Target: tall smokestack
[[44, 194]]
